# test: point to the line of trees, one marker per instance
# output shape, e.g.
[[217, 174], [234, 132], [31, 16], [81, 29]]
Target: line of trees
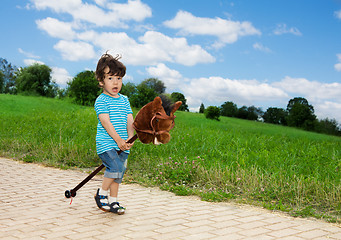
[[32, 80], [299, 113], [83, 89]]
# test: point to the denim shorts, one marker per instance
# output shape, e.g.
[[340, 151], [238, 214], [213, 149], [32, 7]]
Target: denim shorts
[[116, 164]]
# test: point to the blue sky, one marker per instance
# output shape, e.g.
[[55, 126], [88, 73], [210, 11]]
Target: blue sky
[[260, 53]]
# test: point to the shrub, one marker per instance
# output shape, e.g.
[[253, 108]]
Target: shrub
[[84, 88], [212, 112]]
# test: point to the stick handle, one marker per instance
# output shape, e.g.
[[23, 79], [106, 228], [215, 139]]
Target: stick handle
[[72, 192], [130, 140]]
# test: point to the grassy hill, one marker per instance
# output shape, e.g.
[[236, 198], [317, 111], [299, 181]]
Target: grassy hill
[[250, 162]]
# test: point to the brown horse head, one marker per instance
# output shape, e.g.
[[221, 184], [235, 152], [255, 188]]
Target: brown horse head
[[152, 124]]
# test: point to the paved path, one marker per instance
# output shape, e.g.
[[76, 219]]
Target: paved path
[[33, 206]]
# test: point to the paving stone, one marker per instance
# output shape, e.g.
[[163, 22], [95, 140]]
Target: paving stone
[[42, 212]]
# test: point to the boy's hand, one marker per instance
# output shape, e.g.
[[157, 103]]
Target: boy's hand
[[123, 145], [129, 145]]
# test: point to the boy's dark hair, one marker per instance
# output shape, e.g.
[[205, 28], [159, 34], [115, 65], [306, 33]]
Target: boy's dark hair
[[115, 67]]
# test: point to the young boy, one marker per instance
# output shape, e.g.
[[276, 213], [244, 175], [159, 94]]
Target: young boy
[[115, 119]]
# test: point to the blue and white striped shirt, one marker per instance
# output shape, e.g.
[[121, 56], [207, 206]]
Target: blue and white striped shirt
[[118, 110]]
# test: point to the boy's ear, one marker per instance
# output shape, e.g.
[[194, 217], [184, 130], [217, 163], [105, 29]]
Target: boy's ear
[[100, 83]]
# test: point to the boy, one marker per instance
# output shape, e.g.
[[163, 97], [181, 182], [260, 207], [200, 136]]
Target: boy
[[115, 119]]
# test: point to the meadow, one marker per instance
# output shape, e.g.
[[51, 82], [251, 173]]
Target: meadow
[[276, 167]]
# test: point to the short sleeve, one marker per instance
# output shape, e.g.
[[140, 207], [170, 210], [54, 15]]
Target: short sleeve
[[128, 107], [101, 107]]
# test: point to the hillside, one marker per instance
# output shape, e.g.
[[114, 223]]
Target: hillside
[[273, 166]]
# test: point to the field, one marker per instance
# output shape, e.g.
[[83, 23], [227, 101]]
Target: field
[[249, 162]]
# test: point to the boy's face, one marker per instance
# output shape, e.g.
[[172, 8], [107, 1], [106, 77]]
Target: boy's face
[[111, 84]]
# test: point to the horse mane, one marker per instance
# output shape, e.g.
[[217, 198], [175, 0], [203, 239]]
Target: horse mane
[[167, 104]]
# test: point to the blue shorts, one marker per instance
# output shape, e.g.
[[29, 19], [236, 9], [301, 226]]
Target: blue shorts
[[115, 164]]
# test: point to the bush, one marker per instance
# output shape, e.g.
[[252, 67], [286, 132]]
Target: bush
[[84, 88], [212, 112]]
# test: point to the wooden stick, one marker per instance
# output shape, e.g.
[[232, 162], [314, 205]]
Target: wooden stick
[[72, 192]]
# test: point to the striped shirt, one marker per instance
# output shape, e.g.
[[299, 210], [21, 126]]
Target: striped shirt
[[118, 110]]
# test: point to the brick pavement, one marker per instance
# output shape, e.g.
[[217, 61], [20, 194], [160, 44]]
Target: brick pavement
[[33, 206]]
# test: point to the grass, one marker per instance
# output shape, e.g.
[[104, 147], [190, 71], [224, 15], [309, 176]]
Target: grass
[[276, 167]]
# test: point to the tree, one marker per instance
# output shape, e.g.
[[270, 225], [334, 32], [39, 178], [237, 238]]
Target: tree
[[202, 108], [129, 89], [2, 82], [301, 114], [328, 126], [242, 112], [8, 76], [229, 109], [275, 116], [156, 84], [212, 112], [176, 96], [143, 95], [35, 80], [253, 113], [84, 88]]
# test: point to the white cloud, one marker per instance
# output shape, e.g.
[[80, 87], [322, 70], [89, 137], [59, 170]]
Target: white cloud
[[170, 77], [101, 3], [152, 48], [261, 47], [328, 109], [218, 90], [56, 28], [337, 66], [57, 6], [338, 14], [325, 97], [226, 31], [283, 29], [28, 54], [313, 90], [133, 10], [176, 48], [61, 76], [29, 62], [75, 51], [104, 14], [149, 49]]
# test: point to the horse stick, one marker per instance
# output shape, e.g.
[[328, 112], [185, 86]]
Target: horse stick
[[72, 192]]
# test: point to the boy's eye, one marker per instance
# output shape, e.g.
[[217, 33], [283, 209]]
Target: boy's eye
[[118, 78]]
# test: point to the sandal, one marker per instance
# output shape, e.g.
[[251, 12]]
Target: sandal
[[116, 208], [103, 205]]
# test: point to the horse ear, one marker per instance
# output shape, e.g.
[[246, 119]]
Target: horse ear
[[176, 106], [157, 102]]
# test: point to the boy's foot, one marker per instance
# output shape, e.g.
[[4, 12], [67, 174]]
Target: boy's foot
[[102, 202], [116, 208]]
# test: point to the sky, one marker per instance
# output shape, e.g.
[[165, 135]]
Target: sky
[[261, 53]]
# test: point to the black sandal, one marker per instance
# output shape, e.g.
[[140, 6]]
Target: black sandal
[[101, 205], [116, 208]]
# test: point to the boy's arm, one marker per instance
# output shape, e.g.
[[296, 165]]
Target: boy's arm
[[105, 121], [130, 128]]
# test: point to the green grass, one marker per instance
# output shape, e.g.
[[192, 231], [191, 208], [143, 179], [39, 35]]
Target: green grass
[[272, 166]]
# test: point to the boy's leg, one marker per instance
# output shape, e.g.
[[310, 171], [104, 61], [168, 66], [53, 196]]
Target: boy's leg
[[101, 196], [113, 202], [107, 183], [114, 189]]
